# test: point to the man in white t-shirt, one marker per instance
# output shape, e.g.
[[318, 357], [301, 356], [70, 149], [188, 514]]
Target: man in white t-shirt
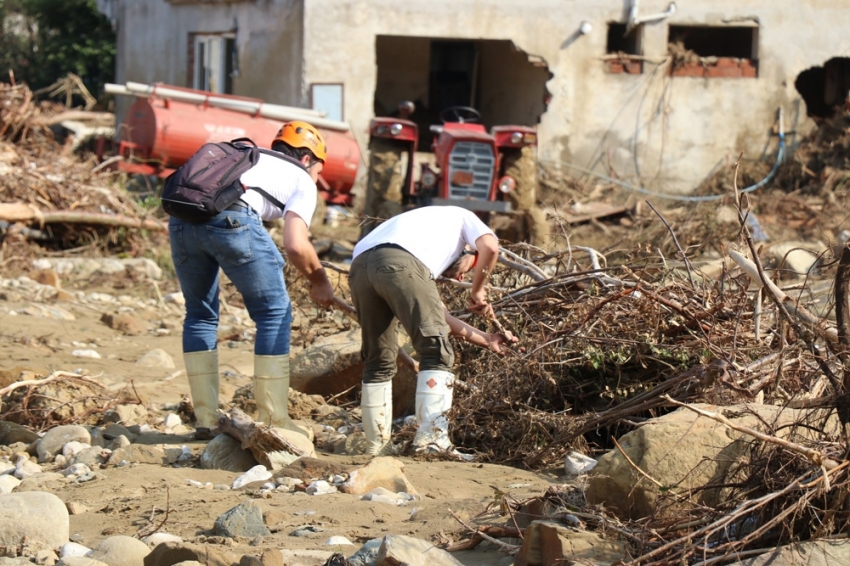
[[392, 277], [236, 242]]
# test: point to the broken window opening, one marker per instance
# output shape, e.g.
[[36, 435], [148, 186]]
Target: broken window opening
[[825, 89], [624, 49], [621, 42], [713, 51]]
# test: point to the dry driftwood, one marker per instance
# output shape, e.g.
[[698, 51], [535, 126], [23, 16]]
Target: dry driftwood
[[22, 212], [260, 440], [798, 311]]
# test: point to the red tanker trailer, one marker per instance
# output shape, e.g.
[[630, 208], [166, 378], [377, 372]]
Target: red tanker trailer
[[160, 133]]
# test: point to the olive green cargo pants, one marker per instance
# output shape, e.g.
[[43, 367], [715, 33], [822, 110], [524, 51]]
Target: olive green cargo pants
[[390, 286]]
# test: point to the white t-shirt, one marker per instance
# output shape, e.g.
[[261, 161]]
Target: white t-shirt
[[286, 182], [435, 235]]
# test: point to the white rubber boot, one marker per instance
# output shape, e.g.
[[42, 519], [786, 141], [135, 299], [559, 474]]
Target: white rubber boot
[[202, 371], [271, 392], [433, 400], [376, 406]]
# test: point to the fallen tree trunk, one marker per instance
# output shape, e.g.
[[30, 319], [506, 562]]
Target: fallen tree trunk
[[22, 212], [260, 440]]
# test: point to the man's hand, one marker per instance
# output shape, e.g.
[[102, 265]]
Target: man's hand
[[479, 305], [322, 293], [496, 340]]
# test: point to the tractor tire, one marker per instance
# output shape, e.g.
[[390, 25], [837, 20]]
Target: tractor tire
[[521, 164], [320, 212], [385, 184]]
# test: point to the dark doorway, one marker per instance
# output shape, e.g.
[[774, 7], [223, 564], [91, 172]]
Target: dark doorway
[[452, 73], [507, 85]]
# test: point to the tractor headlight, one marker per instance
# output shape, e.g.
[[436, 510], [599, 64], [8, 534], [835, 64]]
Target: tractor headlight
[[428, 179], [395, 129], [507, 184], [516, 137]]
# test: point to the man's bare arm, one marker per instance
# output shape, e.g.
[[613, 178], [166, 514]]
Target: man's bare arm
[[302, 254]]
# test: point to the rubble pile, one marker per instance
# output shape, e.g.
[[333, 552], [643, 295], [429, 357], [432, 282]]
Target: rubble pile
[[53, 195]]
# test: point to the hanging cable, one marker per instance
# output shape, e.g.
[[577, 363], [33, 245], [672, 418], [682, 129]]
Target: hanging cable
[[780, 153]]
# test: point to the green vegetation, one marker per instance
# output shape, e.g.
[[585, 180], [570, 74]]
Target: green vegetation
[[42, 41]]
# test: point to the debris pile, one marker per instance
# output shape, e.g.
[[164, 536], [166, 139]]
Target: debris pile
[[51, 194]]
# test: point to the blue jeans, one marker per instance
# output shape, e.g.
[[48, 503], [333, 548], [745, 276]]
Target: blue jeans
[[237, 242]]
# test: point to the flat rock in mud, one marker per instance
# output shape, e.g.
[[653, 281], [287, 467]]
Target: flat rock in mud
[[170, 553], [11, 433], [399, 549], [383, 472], [307, 469]]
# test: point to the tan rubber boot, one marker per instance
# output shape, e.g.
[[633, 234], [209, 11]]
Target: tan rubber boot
[[271, 392], [376, 407], [202, 371]]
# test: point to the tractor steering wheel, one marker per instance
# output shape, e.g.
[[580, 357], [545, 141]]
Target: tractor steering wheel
[[460, 114]]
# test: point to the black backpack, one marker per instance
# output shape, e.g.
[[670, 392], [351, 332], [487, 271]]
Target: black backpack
[[209, 181]]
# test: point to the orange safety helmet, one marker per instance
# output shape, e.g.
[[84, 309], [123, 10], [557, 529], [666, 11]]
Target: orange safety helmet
[[301, 134]]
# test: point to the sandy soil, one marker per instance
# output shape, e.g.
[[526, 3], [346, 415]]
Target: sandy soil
[[129, 499]]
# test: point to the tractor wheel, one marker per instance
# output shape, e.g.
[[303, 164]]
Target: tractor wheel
[[384, 185], [521, 164], [320, 212]]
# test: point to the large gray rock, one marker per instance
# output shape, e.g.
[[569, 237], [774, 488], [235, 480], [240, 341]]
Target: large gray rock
[[683, 451], [226, 453], [121, 551], [244, 520], [52, 442], [332, 364], [39, 516], [819, 553], [11, 433], [398, 549]]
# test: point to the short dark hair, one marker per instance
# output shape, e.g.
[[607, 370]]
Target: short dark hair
[[452, 270], [294, 152]]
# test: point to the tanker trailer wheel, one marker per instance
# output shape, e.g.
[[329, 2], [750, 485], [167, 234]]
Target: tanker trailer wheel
[[521, 164], [384, 185]]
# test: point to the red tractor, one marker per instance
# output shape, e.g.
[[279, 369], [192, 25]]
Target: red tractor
[[485, 172]]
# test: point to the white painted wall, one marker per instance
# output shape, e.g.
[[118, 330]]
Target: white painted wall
[[673, 131], [153, 44], [670, 132]]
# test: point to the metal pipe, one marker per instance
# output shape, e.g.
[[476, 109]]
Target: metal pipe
[[246, 106]]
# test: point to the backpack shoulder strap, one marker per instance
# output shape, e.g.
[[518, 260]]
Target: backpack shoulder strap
[[283, 157], [269, 198]]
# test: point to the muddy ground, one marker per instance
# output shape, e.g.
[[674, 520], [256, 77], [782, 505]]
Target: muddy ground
[[40, 337]]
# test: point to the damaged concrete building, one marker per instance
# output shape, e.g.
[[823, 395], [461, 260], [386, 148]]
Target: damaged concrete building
[[654, 92]]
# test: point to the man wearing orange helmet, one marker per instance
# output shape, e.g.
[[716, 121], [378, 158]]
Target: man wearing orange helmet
[[236, 242]]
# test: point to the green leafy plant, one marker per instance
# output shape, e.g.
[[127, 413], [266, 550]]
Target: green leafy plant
[[42, 41]]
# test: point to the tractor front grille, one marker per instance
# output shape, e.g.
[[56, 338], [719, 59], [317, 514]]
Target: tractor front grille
[[474, 158]]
